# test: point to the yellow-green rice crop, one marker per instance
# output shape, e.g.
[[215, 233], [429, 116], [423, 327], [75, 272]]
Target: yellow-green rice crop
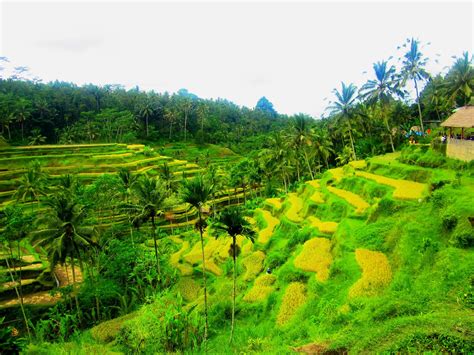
[[253, 264], [296, 204], [188, 288], [265, 234], [316, 257], [404, 189], [337, 173], [323, 227], [314, 183], [293, 299], [261, 289], [376, 273], [355, 200], [358, 164], [274, 202], [317, 197]]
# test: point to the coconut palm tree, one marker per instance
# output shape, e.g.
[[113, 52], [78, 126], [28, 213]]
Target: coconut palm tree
[[150, 203], [382, 90], [146, 111], [63, 232], [460, 80], [197, 192], [36, 137], [414, 69], [232, 222], [32, 184], [128, 180], [167, 176], [344, 107]]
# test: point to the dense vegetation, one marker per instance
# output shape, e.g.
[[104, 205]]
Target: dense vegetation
[[127, 226]]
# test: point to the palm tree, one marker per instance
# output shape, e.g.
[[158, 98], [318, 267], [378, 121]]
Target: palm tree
[[128, 180], [36, 137], [197, 192], [150, 195], [460, 80], [32, 184], [413, 68], [297, 139], [382, 91], [145, 112], [63, 233], [170, 115], [344, 107], [232, 222], [322, 146], [167, 176], [22, 113]]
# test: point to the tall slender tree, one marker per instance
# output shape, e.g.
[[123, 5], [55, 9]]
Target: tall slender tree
[[460, 80], [150, 203], [382, 90], [231, 221], [344, 107], [197, 192], [414, 68]]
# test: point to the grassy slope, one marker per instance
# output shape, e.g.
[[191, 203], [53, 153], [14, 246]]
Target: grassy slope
[[426, 305]]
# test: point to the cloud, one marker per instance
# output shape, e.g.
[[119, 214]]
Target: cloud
[[77, 45]]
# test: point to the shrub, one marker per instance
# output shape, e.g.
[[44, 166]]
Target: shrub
[[163, 326], [463, 235], [449, 221]]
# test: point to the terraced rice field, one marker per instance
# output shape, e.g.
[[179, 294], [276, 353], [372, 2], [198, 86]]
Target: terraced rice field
[[293, 299], [355, 200], [376, 273], [404, 189], [295, 206], [316, 257], [262, 288], [271, 222], [253, 265], [323, 227]]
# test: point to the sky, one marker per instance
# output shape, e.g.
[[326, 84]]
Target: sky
[[293, 53]]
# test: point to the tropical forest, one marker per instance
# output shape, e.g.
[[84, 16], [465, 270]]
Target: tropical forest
[[136, 221]]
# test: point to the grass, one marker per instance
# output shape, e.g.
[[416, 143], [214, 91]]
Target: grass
[[316, 257]]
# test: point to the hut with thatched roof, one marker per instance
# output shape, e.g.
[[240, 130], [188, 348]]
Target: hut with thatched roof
[[461, 138]]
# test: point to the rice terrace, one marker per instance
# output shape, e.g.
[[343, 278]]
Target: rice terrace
[[139, 221]]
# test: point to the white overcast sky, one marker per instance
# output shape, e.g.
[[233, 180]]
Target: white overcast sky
[[294, 53]]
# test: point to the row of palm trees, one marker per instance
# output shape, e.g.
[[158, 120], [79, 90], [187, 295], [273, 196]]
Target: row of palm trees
[[63, 229], [389, 84]]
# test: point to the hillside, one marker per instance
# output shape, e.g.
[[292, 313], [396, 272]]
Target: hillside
[[372, 257], [90, 164]]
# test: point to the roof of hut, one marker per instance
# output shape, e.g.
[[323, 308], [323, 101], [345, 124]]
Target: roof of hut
[[462, 118]]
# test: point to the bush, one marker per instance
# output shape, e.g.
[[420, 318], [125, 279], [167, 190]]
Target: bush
[[163, 326], [449, 221], [463, 235]]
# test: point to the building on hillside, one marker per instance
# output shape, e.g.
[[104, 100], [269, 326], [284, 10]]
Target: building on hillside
[[460, 142]]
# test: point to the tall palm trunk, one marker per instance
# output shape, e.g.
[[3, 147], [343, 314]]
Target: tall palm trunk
[[20, 299], [388, 128], [309, 166], [206, 325], [185, 124], [419, 106], [73, 266], [153, 229], [352, 140], [146, 123], [233, 290]]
